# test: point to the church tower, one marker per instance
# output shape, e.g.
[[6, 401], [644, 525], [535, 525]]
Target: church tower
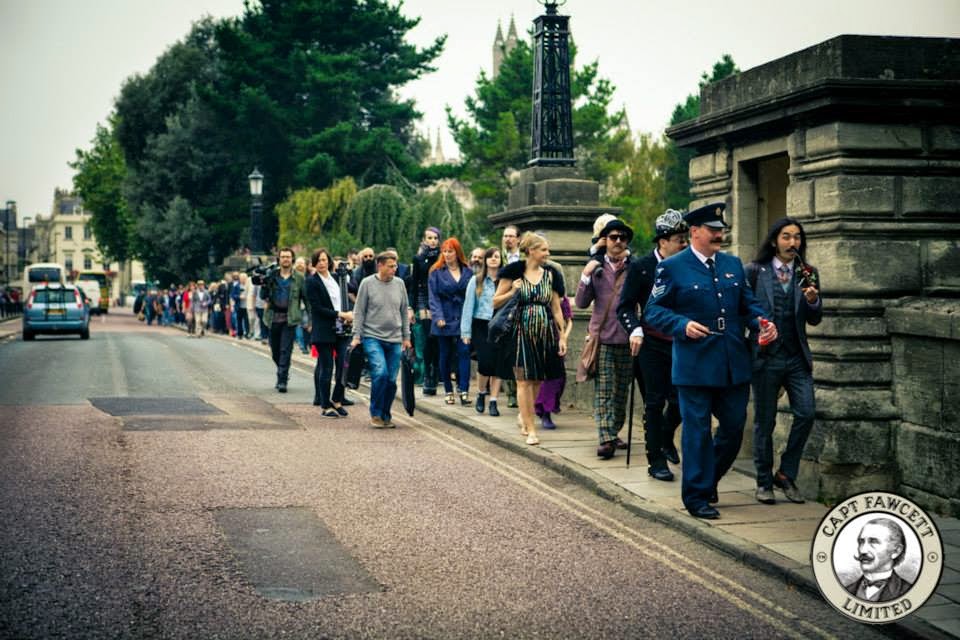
[[503, 46], [498, 50]]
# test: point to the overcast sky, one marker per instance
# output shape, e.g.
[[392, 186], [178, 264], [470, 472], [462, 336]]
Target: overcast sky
[[62, 62]]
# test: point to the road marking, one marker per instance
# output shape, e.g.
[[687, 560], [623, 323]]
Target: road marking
[[699, 574], [616, 529]]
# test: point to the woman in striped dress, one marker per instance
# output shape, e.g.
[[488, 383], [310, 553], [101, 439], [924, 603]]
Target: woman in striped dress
[[535, 350]]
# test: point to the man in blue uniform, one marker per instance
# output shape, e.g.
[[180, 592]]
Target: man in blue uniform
[[701, 298]]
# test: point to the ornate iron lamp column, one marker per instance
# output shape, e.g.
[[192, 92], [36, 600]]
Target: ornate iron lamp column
[[552, 125], [256, 211]]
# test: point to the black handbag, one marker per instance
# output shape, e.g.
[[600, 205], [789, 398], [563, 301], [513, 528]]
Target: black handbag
[[503, 321]]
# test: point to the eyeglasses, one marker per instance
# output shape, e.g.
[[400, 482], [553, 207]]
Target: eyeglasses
[[616, 237]]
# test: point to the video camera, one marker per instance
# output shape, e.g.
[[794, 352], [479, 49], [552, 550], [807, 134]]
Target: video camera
[[263, 274]]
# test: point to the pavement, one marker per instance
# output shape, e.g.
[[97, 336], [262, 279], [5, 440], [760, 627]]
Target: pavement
[[775, 539]]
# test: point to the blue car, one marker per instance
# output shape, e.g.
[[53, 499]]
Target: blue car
[[56, 308]]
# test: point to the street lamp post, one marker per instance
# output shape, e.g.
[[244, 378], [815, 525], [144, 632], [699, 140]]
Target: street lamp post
[[256, 212], [23, 243], [211, 262], [8, 215]]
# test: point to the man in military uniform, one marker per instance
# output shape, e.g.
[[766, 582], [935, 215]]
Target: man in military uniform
[[701, 298], [651, 349]]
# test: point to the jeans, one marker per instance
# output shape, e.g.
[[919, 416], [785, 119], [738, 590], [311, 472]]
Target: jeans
[[383, 360], [453, 353], [301, 334], [243, 324], [327, 362], [655, 360], [430, 358], [264, 329], [790, 372], [281, 348]]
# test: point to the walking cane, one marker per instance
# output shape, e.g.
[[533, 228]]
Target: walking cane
[[633, 385]]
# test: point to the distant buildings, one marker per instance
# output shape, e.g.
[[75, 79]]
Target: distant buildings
[[66, 237]]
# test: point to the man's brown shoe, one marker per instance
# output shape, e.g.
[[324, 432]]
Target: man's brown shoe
[[784, 483], [378, 423]]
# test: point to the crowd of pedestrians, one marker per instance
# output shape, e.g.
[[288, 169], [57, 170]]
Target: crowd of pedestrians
[[688, 322]]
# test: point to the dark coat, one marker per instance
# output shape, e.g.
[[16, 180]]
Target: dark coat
[[446, 300], [895, 587], [684, 291], [766, 279], [322, 313], [635, 293], [420, 274]]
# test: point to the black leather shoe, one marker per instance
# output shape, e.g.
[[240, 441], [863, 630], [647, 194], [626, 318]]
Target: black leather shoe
[[429, 392], [705, 511], [282, 387], [660, 472], [671, 454], [619, 444], [714, 498], [347, 403], [493, 409], [481, 402], [606, 450]]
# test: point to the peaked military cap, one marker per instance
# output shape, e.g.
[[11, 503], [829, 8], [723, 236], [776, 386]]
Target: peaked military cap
[[710, 215], [668, 224]]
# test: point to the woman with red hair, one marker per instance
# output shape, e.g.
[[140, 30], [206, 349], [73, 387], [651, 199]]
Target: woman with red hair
[[447, 284]]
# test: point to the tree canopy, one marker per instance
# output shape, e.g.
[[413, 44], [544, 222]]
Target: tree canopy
[[99, 177], [304, 90]]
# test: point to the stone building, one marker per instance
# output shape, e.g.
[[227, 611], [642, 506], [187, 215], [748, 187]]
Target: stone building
[[66, 237], [859, 138]]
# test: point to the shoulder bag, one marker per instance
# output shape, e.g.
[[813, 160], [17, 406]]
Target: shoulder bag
[[503, 321], [587, 366]]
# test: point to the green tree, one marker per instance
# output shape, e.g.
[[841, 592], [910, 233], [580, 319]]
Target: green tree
[[309, 216], [677, 176], [375, 214], [99, 178], [494, 139], [174, 240], [640, 185], [305, 90]]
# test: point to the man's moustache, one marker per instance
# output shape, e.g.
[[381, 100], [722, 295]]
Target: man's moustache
[[863, 557]]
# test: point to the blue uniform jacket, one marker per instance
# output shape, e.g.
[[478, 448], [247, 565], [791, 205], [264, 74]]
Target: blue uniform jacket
[[682, 292]]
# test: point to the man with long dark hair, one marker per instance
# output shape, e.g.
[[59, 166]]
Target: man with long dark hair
[[788, 289]]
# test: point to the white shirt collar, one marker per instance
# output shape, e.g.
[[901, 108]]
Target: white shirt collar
[[702, 258], [777, 263]]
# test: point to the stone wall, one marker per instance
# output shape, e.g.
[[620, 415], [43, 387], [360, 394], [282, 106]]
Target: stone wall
[[926, 382]]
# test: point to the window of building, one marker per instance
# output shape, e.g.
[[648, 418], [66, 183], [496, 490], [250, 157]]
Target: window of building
[[87, 232], [68, 263], [68, 233], [87, 263]]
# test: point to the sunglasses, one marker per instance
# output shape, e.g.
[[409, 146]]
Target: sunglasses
[[616, 237]]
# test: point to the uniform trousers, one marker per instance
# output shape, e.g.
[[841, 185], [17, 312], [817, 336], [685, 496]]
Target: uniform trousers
[[706, 457]]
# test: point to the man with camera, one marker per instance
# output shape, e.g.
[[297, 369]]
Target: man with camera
[[283, 290]]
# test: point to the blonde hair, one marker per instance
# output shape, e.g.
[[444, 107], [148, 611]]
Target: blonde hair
[[601, 222], [531, 240]]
